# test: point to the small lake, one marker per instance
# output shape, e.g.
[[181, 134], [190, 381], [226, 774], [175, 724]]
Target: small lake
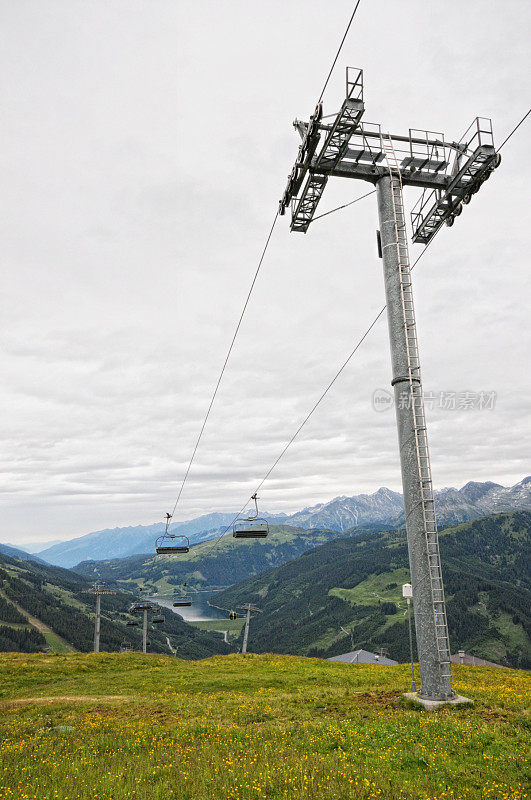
[[199, 611]]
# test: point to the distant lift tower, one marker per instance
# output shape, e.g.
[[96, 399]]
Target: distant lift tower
[[249, 609], [449, 173], [98, 589], [143, 608]]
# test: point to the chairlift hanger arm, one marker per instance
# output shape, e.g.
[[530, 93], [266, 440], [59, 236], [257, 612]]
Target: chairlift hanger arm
[[252, 526], [255, 498]]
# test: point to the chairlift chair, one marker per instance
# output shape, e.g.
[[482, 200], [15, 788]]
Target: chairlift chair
[[181, 602], [170, 544], [251, 527], [158, 619], [131, 623]]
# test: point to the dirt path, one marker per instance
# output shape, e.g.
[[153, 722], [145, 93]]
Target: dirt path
[[80, 698], [36, 623]]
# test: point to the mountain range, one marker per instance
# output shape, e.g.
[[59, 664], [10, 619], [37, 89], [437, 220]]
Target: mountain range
[[322, 592], [386, 507], [382, 508]]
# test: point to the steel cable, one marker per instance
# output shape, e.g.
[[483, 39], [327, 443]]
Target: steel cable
[[345, 205], [514, 129], [339, 51], [360, 341], [252, 286], [225, 362]]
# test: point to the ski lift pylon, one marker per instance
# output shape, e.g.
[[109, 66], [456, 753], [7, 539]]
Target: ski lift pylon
[[251, 527]]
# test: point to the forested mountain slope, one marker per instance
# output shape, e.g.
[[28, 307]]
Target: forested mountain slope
[[43, 607], [355, 583], [22, 555], [211, 564]]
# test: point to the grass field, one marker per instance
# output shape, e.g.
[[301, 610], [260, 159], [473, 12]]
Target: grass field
[[113, 727]]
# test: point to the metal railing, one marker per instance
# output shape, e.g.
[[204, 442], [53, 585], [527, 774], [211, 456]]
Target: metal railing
[[354, 81]]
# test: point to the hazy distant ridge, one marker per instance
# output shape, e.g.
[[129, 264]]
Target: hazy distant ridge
[[342, 513]]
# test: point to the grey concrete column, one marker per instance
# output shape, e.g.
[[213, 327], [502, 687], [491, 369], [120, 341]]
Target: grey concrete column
[[434, 684], [144, 631], [246, 631], [97, 623]]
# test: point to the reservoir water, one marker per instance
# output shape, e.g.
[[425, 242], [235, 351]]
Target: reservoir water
[[199, 611]]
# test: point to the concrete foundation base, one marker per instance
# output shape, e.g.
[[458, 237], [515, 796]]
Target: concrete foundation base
[[433, 705]]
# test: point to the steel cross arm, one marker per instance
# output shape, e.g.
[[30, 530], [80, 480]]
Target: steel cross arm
[[143, 607], [249, 607], [407, 139], [373, 173]]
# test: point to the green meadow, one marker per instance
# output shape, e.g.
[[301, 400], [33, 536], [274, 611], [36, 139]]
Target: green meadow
[[113, 726]]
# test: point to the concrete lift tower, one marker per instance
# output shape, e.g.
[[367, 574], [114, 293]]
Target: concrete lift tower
[[98, 589], [249, 609], [449, 174], [144, 607]]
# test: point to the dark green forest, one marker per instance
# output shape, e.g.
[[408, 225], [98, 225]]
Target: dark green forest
[[58, 598], [487, 580], [21, 640]]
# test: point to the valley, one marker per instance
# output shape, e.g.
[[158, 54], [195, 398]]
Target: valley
[[48, 608], [322, 593], [355, 583]]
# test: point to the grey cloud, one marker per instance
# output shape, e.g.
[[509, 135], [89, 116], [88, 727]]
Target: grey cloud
[[143, 165]]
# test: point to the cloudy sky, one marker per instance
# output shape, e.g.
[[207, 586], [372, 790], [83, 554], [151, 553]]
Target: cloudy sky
[[146, 146]]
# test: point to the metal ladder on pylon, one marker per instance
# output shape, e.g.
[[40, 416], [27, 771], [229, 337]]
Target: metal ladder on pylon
[[419, 420]]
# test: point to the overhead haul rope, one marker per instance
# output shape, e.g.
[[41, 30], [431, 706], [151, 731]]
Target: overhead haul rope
[[339, 51], [514, 129], [229, 351], [168, 518], [360, 341]]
